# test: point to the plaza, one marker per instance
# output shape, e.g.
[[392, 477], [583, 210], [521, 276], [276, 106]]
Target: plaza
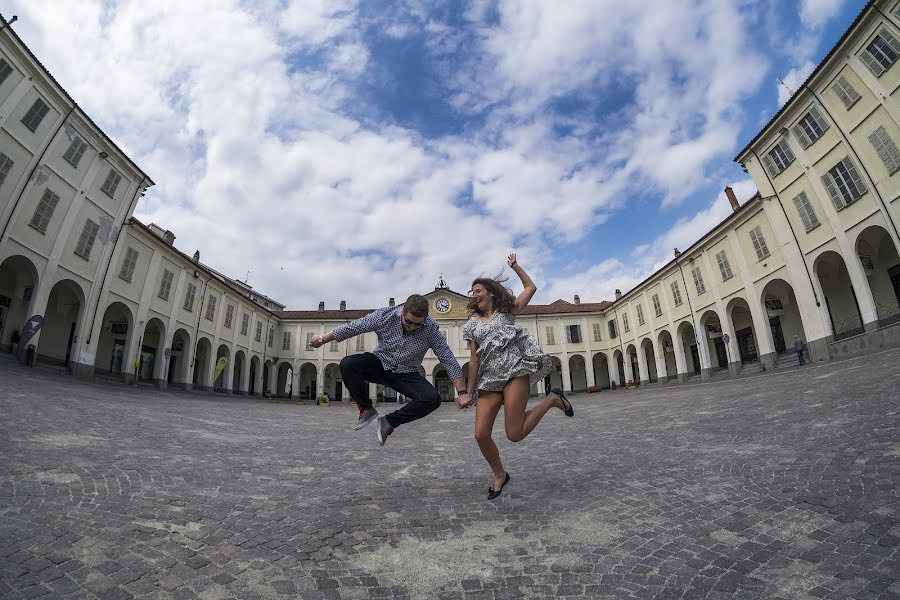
[[779, 485]]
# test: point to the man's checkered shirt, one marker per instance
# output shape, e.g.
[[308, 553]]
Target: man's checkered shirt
[[401, 352]]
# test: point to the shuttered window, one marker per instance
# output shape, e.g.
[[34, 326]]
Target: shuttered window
[[128, 264], [845, 92], [111, 183], [810, 128], [6, 163], [881, 53], [698, 280], [625, 325], [245, 323], [360, 343], [657, 307], [75, 152], [551, 336], [229, 315], [5, 70], [286, 341], [211, 308], [34, 116], [259, 331], [189, 297], [759, 243], [44, 211], [676, 293], [778, 159], [165, 286], [86, 239], [886, 149], [844, 184], [806, 212], [597, 332], [724, 267]]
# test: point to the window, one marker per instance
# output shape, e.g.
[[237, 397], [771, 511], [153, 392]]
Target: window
[[309, 337], [6, 164], [882, 53], [44, 211], [573, 334], [360, 343], [211, 309], [229, 315], [128, 264], [34, 116], [810, 128], [806, 211], [551, 337], [286, 341], [844, 184], [759, 242], [625, 325], [189, 297], [333, 347], [724, 267], [676, 293], [887, 150], [698, 280], [779, 158], [845, 92], [165, 286], [657, 307], [613, 332], [271, 338], [245, 323], [75, 152], [597, 337], [640, 314], [86, 240], [112, 182], [5, 70], [258, 331]]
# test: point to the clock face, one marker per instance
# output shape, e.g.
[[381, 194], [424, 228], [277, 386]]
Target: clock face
[[442, 305]]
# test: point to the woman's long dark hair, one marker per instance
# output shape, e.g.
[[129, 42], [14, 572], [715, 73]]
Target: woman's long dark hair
[[504, 301]]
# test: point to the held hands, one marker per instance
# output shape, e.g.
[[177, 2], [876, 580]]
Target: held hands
[[316, 341], [464, 401], [511, 259]]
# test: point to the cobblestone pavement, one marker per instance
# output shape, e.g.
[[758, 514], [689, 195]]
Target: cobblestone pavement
[[783, 485]]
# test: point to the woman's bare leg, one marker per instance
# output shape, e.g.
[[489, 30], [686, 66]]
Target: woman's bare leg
[[486, 411], [520, 422]]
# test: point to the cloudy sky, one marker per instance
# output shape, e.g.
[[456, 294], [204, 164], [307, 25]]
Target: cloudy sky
[[346, 150]]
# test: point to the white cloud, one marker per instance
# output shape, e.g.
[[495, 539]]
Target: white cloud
[[815, 13], [244, 117], [793, 80]]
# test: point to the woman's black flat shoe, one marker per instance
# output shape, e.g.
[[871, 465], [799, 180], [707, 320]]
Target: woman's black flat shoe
[[492, 494], [570, 412]]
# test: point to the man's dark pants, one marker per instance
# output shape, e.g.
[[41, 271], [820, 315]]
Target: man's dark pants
[[359, 370]]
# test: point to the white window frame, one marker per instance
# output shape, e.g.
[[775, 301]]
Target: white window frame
[[759, 243], [657, 306], [572, 332], [626, 326], [881, 53], [724, 265], [551, 336], [779, 158], [640, 314], [698, 281], [676, 294], [844, 184], [286, 340], [598, 332], [810, 128], [806, 211]]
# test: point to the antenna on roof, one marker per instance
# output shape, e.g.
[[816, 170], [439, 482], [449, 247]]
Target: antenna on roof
[[790, 91]]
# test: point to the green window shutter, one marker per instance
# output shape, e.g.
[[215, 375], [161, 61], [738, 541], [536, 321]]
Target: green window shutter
[[836, 198], [801, 136]]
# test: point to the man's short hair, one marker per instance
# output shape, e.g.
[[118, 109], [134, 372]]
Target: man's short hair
[[416, 305]]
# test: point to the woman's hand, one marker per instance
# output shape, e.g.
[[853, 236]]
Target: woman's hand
[[511, 259]]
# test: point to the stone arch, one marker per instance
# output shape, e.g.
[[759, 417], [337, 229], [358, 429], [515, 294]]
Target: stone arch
[[151, 354], [619, 359], [255, 376], [18, 281], [783, 314], [442, 383], [309, 375], [220, 382], [648, 354], [600, 363], [178, 368], [578, 373], [878, 257], [114, 339], [334, 387], [238, 369], [283, 386], [203, 361], [554, 378], [632, 368], [839, 295], [740, 322], [62, 320], [690, 351], [667, 366], [714, 329]]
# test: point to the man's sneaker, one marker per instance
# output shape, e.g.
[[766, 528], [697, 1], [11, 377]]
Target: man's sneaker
[[365, 417], [383, 429]]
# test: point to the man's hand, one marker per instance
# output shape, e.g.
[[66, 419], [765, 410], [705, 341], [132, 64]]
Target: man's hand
[[316, 341], [464, 401]]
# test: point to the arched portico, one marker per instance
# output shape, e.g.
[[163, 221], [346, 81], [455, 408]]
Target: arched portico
[[442, 383], [600, 364], [334, 387], [283, 385], [63, 314], [178, 369], [239, 373], [256, 380], [878, 257], [203, 365], [647, 357], [221, 382], [666, 366], [713, 331], [840, 296], [151, 355], [745, 340], [578, 373], [308, 381], [785, 322], [18, 280], [116, 330], [687, 352], [554, 378]]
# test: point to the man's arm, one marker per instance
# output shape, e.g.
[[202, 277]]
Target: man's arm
[[454, 371], [370, 322]]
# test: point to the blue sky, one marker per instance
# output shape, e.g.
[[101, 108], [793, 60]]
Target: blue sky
[[343, 150]]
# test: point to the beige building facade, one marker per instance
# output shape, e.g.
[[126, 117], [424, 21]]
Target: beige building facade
[[812, 256]]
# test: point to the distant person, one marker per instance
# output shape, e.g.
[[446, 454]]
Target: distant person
[[798, 346], [405, 333], [505, 361]]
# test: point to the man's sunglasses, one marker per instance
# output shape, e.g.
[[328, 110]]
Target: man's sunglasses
[[413, 323]]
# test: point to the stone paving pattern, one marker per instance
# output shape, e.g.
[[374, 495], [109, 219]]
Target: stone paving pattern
[[783, 485]]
